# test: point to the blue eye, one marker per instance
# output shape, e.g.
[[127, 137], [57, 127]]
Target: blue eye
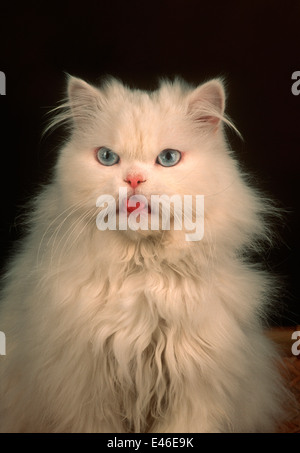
[[168, 157], [107, 157]]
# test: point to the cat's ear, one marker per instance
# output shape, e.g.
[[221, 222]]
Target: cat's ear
[[206, 104], [84, 101]]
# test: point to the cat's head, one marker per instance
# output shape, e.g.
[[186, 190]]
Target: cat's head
[[165, 142]]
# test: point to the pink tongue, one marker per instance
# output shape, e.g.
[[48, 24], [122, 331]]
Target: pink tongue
[[133, 208]]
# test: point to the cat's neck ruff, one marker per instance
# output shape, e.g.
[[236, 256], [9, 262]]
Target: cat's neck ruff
[[165, 250]]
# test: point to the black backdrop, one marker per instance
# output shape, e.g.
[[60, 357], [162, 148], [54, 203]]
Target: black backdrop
[[253, 44]]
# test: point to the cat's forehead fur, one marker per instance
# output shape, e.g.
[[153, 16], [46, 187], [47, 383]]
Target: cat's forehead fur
[[138, 121], [167, 90]]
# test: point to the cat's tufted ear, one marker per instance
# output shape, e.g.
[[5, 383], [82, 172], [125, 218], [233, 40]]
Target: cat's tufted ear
[[206, 104], [84, 101]]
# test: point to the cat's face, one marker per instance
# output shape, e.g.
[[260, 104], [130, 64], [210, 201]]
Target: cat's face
[[168, 142]]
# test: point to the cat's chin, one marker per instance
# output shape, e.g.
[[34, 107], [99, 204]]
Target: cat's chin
[[162, 240], [137, 235], [155, 235]]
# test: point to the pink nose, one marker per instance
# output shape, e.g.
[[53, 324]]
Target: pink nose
[[134, 180]]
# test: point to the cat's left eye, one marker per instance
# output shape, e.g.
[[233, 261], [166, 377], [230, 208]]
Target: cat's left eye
[[168, 157], [107, 157]]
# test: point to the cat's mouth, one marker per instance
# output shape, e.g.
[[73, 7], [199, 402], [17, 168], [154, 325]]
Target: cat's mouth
[[133, 204]]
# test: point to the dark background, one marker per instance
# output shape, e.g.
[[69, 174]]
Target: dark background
[[253, 44]]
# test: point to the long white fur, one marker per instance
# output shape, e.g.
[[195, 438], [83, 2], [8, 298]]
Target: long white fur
[[122, 331]]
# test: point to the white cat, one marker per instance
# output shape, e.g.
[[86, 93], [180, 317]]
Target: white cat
[[140, 331]]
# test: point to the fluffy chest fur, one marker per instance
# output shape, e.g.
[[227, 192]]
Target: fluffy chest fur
[[132, 330]]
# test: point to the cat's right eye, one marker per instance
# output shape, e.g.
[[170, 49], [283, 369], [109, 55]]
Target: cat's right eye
[[107, 157]]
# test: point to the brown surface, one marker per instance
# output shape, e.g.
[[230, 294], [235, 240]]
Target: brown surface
[[290, 368]]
